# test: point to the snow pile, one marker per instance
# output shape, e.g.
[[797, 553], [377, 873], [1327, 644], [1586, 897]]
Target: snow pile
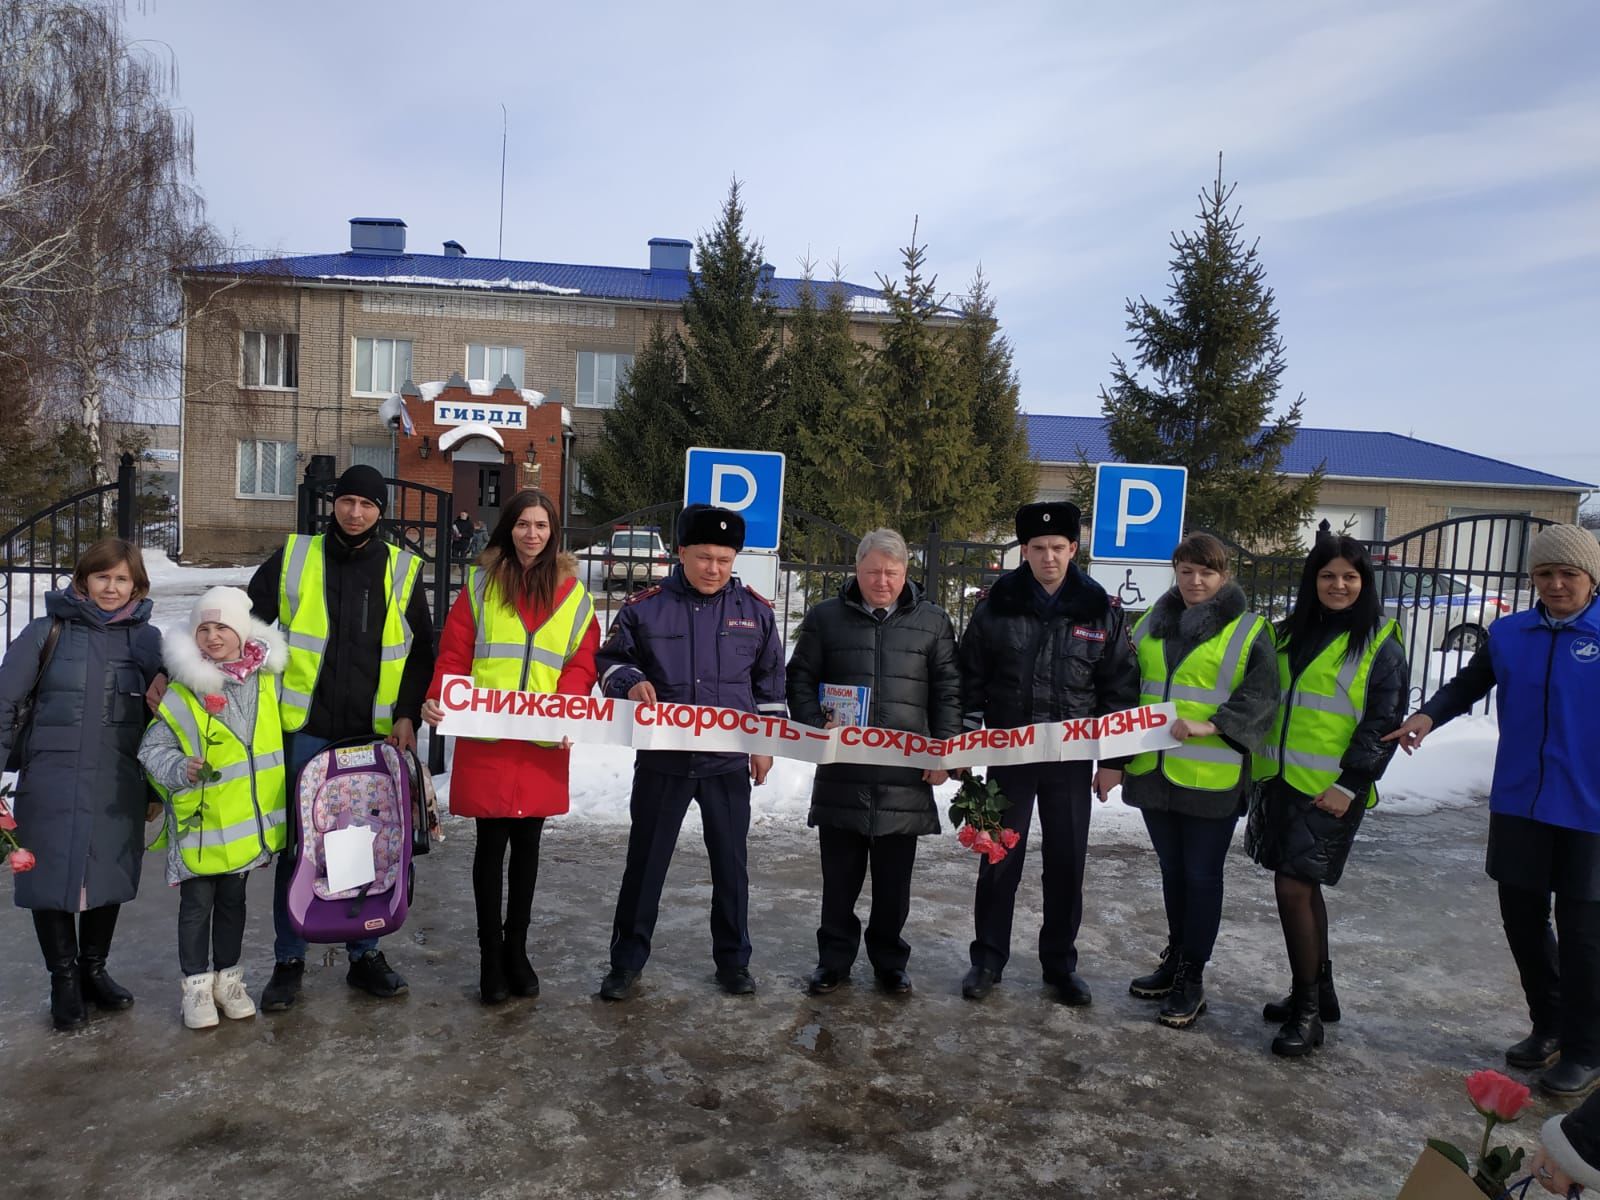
[[506, 284], [1452, 770]]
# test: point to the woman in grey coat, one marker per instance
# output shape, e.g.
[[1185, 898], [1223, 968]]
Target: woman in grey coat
[[1202, 648], [81, 798], [883, 635]]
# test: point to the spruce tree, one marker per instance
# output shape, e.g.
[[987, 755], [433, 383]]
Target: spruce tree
[[1214, 358], [819, 386], [984, 364], [638, 460], [730, 338], [904, 455]]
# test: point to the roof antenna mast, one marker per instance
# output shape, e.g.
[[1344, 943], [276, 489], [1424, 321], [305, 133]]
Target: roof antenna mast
[[500, 251]]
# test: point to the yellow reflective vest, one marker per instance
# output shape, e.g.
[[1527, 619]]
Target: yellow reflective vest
[[506, 655], [1319, 713], [1201, 684], [226, 826], [303, 613]]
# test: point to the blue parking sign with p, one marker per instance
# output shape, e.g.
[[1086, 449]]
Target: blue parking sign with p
[[1138, 512], [749, 482]]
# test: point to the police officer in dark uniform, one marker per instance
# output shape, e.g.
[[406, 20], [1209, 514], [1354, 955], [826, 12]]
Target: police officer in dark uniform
[[701, 637], [1045, 644]]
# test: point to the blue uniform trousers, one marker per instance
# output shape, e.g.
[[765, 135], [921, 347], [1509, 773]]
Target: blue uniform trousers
[[657, 807]]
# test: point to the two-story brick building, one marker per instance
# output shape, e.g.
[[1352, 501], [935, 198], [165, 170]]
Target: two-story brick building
[[288, 358]]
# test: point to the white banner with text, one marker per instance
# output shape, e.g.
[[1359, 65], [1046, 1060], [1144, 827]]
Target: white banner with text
[[471, 711]]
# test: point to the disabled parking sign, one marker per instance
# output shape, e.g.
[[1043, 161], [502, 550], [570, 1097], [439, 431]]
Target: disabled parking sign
[[1137, 524]]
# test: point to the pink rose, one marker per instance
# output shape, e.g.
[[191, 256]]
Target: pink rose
[[23, 860], [1009, 838], [995, 852], [7, 821], [214, 703], [982, 842], [967, 836], [1495, 1095]]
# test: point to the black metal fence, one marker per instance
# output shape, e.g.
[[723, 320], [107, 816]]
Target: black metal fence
[[1445, 584], [38, 553]]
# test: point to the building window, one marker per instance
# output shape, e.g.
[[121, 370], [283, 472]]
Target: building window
[[382, 365], [381, 457], [491, 362], [598, 377], [266, 470], [271, 360]]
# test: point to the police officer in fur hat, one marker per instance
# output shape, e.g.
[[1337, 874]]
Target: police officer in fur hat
[[1045, 644], [701, 637]]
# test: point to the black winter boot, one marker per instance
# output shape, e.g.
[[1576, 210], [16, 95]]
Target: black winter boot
[[492, 987], [58, 939], [1302, 1032], [1187, 1000], [519, 973], [1158, 983], [1279, 1011], [95, 928]]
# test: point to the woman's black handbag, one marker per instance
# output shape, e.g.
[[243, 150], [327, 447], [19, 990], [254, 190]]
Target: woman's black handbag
[[22, 726]]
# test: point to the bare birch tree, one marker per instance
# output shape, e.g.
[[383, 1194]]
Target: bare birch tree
[[98, 209]]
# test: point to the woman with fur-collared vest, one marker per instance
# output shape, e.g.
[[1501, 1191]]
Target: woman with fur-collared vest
[[216, 757], [1200, 647], [524, 622]]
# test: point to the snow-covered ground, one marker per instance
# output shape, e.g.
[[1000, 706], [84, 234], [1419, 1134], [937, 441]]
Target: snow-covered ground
[[1452, 769]]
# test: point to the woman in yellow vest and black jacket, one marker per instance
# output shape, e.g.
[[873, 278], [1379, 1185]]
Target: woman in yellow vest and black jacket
[[1345, 683], [523, 622], [1201, 648]]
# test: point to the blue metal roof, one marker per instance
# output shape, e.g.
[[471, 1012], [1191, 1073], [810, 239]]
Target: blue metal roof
[[1344, 453], [498, 275]]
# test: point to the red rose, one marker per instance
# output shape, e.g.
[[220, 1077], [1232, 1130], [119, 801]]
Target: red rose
[[995, 852], [982, 842], [214, 703], [23, 860], [967, 836], [7, 821], [1495, 1095], [1009, 838]]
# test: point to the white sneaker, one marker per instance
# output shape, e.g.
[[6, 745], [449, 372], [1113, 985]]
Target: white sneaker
[[199, 1009], [230, 995]]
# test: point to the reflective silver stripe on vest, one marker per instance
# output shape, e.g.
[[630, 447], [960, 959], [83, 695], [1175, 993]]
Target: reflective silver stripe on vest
[[195, 839], [1339, 706], [306, 641], [480, 647], [1176, 691], [182, 715], [297, 699], [585, 611], [293, 571], [402, 569], [546, 658], [1312, 762], [499, 649], [390, 653], [1202, 753], [1231, 658]]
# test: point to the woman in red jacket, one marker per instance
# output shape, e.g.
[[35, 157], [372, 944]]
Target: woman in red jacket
[[524, 622]]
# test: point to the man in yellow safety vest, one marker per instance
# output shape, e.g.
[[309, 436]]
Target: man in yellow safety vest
[[360, 660]]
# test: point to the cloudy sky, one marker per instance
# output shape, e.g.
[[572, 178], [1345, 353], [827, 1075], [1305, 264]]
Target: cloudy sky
[[1424, 177]]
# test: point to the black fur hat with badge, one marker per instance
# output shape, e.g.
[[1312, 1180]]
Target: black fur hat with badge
[[1049, 518], [702, 525]]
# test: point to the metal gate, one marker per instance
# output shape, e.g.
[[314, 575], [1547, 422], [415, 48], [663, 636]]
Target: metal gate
[[38, 553]]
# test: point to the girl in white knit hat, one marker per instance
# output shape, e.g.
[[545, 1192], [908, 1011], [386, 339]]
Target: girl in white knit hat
[[216, 756]]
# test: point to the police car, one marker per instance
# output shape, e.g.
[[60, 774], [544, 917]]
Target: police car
[[1437, 610]]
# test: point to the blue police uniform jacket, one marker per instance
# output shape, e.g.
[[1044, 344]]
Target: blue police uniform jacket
[[1547, 680], [723, 650]]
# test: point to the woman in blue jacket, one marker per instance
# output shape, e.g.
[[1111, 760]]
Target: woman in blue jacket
[[1544, 804]]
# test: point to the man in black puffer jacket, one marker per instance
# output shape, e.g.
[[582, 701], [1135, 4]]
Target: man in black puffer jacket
[[883, 634], [1046, 644]]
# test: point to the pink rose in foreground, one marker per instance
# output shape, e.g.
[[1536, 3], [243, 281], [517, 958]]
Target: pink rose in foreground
[[1495, 1095], [1009, 838], [23, 860], [7, 821], [214, 703], [967, 836], [995, 852], [982, 842]]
